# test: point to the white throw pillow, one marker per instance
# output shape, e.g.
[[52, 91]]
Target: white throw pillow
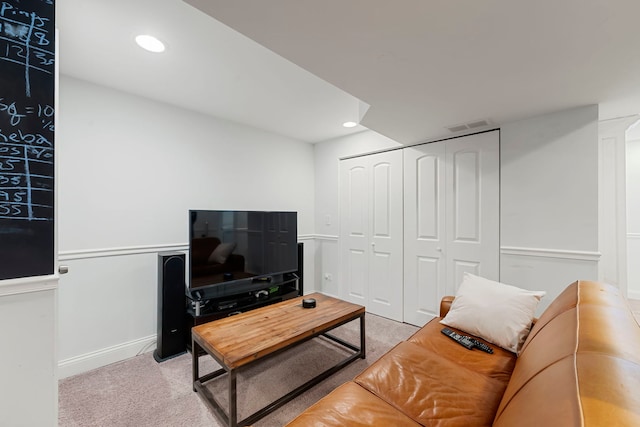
[[222, 252], [499, 313]]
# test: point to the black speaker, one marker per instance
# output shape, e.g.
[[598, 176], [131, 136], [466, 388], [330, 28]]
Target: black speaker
[[300, 271], [172, 324]]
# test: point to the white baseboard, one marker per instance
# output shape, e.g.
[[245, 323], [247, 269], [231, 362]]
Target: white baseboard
[[106, 356]]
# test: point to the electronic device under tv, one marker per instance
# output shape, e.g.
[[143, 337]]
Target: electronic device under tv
[[235, 252]]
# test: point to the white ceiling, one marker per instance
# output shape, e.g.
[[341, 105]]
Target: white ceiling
[[421, 65], [207, 67]]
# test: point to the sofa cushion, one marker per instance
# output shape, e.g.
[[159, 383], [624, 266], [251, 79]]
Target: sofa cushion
[[555, 342], [498, 365], [499, 313], [532, 405], [581, 362], [563, 302], [432, 389], [352, 405], [556, 397], [610, 395]]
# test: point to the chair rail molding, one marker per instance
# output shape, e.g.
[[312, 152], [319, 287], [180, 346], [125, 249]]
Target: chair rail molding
[[145, 249], [304, 237], [28, 284], [551, 253], [328, 237], [119, 251]]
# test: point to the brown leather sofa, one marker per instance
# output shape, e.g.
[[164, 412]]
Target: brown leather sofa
[[580, 366]]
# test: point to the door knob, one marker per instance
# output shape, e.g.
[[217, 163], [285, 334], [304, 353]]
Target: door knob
[[63, 269]]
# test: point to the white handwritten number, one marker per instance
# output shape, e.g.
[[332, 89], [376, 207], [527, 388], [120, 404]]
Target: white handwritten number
[[12, 111], [10, 210], [43, 59], [10, 151], [13, 180], [8, 165]]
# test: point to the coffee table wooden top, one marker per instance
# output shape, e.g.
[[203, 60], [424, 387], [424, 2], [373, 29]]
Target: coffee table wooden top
[[243, 338]]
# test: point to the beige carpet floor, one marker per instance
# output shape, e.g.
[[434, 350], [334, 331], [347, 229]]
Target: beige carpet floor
[[141, 392], [635, 307]]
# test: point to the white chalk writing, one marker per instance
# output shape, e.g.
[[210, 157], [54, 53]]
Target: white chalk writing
[[25, 40]]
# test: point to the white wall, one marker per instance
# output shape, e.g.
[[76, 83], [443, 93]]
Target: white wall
[[549, 200], [327, 190], [28, 371], [633, 215], [130, 168], [129, 171]]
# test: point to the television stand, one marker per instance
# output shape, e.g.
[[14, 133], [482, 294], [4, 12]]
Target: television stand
[[199, 311]]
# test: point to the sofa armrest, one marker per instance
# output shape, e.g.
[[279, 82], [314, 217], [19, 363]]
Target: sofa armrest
[[445, 305]]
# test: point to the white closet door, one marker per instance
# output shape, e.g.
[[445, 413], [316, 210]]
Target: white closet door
[[473, 208], [451, 219], [424, 231], [354, 230], [371, 232], [385, 224]]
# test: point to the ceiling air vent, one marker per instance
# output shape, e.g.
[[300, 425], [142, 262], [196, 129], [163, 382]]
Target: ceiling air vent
[[457, 128], [470, 125], [477, 124]]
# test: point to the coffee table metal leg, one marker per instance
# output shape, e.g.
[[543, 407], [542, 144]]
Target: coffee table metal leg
[[194, 362], [363, 352], [233, 399]]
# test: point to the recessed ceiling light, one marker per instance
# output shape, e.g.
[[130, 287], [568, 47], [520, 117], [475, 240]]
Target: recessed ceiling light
[[150, 43], [349, 124]]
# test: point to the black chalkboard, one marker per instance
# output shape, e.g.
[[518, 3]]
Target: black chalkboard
[[27, 76]]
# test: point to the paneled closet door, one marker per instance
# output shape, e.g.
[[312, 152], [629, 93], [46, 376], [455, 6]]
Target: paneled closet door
[[451, 219], [473, 208], [354, 230], [371, 232], [424, 231], [385, 225]]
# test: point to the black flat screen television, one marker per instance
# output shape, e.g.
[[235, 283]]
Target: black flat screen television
[[232, 252]]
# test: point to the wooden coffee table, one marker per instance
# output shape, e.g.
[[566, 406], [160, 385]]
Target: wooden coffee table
[[238, 341]]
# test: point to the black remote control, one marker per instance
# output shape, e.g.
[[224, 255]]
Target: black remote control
[[481, 346], [460, 339]]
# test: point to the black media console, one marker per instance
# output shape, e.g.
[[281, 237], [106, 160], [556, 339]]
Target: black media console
[[203, 310]]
